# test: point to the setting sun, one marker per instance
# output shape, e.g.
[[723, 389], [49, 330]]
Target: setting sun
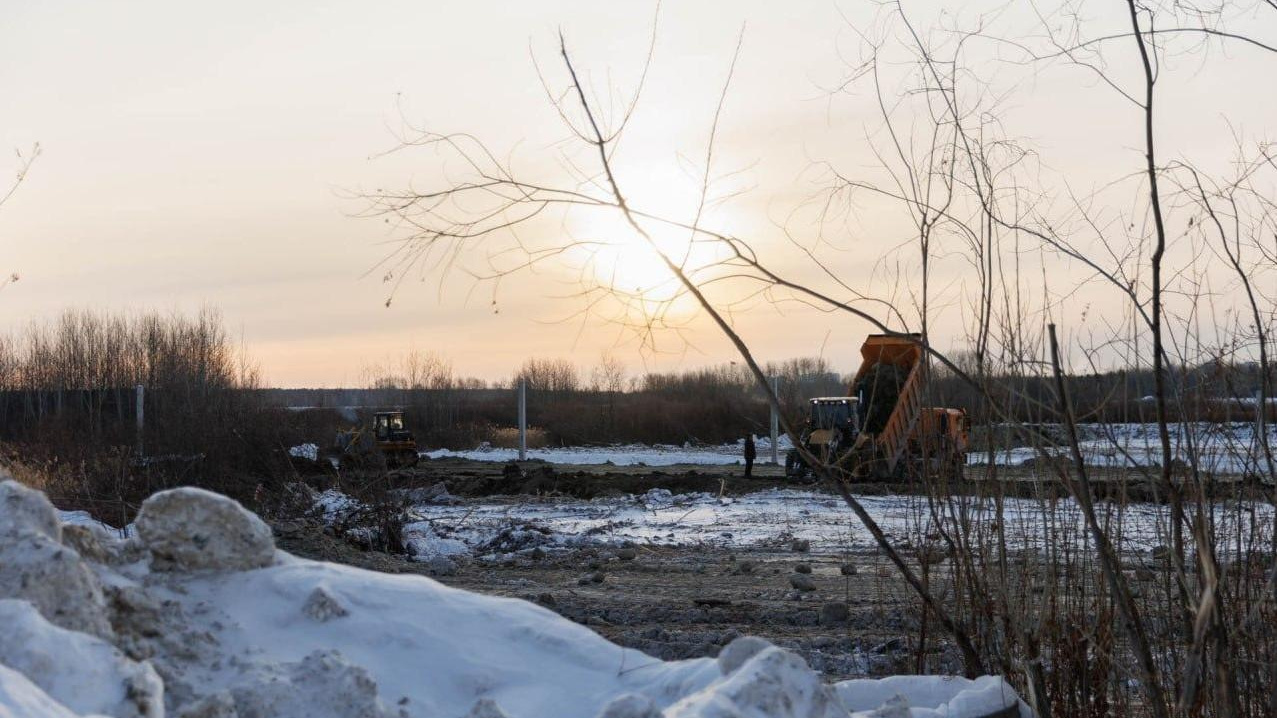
[[616, 256]]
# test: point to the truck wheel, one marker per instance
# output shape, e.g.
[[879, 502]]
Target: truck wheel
[[793, 465]]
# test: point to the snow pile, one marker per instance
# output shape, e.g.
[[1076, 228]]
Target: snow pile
[[85, 674], [305, 451], [930, 696], [195, 530], [20, 698], [248, 632]]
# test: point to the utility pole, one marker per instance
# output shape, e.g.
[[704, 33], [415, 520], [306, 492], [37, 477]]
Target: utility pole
[[523, 419], [775, 421], [141, 418]]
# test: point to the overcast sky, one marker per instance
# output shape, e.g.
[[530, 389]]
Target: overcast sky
[[203, 154]]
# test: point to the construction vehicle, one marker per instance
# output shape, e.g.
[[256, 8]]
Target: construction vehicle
[[386, 441], [880, 430]]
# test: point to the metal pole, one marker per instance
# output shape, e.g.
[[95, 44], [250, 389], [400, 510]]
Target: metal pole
[[523, 419], [775, 421], [1261, 419], [141, 417]]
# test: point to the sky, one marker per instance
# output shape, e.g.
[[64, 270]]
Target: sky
[[212, 155]]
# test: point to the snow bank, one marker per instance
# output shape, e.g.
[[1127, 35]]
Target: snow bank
[[52, 577], [24, 510], [83, 673], [242, 632], [20, 698]]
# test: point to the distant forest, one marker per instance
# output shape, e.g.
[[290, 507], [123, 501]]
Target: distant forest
[[722, 403], [67, 391]]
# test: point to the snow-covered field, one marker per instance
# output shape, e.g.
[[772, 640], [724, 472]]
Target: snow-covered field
[[197, 615], [624, 454], [1216, 448], [763, 520]]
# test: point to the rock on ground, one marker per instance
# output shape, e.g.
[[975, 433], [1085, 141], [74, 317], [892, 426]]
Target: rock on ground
[[834, 612], [83, 673], [190, 529], [802, 581]]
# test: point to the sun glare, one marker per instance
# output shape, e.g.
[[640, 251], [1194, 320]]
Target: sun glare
[[617, 257]]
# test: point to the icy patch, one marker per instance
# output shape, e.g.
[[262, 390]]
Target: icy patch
[[333, 504], [424, 543]]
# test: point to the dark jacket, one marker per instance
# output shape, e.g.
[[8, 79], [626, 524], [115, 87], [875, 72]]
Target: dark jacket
[[750, 451]]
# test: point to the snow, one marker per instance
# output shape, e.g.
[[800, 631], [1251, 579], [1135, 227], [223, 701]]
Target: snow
[[50, 576], [623, 454], [932, 696], [769, 519], [189, 529], [294, 638], [83, 673], [1217, 448], [24, 510], [20, 698], [305, 451], [1221, 448]]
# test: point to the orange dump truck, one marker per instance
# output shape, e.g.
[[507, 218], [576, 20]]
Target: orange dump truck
[[881, 430]]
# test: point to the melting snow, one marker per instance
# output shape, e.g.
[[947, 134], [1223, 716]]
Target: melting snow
[[296, 638]]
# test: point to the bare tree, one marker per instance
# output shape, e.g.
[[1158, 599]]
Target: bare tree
[[969, 192], [24, 166]]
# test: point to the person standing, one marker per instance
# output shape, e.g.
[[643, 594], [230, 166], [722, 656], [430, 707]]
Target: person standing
[[751, 452]]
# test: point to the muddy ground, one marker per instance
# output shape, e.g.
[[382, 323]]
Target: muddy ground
[[855, 618], [847, 614], [685, 602]]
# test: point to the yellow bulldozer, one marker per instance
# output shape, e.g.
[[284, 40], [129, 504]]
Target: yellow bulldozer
[[880, 430], [386, 441]]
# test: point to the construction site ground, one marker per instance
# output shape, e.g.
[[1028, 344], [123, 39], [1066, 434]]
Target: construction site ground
[[855, 618]]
